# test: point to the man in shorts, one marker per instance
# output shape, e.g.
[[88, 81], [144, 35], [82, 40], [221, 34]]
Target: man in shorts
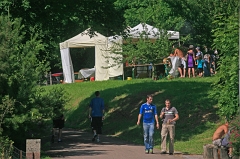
[[96, 113], [58, 123], [221, 137]]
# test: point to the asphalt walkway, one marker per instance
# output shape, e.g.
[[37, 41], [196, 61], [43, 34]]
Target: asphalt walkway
[[78, 145]]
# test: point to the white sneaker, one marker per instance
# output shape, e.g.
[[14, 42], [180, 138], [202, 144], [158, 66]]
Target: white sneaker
[[98, 140]]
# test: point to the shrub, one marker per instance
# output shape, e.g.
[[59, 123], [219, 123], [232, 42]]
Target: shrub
[[235, 136]]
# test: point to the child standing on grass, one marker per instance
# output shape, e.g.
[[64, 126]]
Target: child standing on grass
[[206, 69], [149, 113], [199, 62]]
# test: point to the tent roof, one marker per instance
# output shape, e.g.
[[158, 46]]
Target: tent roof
[[83, 40], [151, 31]]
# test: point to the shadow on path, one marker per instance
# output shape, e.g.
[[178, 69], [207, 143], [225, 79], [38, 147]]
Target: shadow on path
[[77, 144]]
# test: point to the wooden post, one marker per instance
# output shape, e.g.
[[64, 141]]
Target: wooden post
[[216, 153], [213, 152], [20, 154], [223, 153], [50, 76], [208, 151], [33, 148]]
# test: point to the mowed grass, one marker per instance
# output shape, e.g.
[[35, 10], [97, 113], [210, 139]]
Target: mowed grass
[[197, 111]]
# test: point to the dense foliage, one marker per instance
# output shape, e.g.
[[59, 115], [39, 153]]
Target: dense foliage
[[30, 33], [57, 21], [25, 108], [226, 40], [235, 136]]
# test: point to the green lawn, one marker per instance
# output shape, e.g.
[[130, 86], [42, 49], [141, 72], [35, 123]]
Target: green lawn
[[198, 118]]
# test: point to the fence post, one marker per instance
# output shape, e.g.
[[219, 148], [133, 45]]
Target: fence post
[[50, 76], [33, 148], [20, 154]]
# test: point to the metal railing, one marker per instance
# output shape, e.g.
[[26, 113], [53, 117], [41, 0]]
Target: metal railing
[[18, 154]]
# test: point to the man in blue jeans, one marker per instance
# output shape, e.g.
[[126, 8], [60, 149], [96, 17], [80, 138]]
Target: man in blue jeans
[[149, 113]]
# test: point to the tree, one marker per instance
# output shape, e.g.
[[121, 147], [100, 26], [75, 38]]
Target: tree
[[226, 39], [198, 16], [156, 13], [56, 21], [29, 106]]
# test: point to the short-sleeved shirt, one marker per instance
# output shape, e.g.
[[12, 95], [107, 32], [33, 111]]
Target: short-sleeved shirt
[[200, 63], [199, 54], [97, 105], [169, 114], [148, 111]]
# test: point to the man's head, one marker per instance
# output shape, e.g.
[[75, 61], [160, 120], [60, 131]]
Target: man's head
[[167, 103], [97, 93], [149, 99], [198, 48]]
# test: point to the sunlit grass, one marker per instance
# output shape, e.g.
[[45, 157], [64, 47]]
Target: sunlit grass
[[122, 99]]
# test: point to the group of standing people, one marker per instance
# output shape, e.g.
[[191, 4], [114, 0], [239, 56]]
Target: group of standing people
[[194, 58], [148, 112], [169, 116]]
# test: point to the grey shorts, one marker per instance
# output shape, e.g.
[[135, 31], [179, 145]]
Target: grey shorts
[[217, 142]]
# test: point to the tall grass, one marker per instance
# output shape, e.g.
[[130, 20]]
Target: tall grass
[[198, 118]]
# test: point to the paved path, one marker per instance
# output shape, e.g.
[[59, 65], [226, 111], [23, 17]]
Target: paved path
[[78, 145]]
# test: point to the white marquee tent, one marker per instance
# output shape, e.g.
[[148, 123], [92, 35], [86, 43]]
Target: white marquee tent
[[102, 45], [152, 32], [83, 40]]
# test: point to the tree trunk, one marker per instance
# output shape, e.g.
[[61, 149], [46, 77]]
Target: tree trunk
[[153, 72]]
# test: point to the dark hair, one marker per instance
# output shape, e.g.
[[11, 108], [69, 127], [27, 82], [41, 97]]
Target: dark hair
[[148, 96], [97, 93], [168, 100]]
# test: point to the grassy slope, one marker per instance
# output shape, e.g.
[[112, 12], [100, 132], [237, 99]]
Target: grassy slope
[[197, 111]]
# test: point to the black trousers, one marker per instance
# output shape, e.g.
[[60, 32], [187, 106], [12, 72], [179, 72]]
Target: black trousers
[[97, 124]]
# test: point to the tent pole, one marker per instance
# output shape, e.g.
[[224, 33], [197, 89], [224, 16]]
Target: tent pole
[[123, 72]]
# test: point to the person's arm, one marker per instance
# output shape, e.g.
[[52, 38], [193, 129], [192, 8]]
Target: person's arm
[[157, 123], [62, 117], [161, 114], [103, 113], [175, 119], [175, 52], [225, 129], [90, 112], [139, 118], [186, 56], [103, 109], [196, 62]]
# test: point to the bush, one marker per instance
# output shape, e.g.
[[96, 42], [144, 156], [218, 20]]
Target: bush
[[6, 147], [235, 136]]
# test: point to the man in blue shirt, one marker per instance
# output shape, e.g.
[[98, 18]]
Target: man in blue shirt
[[149, 113], [96, 113]]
